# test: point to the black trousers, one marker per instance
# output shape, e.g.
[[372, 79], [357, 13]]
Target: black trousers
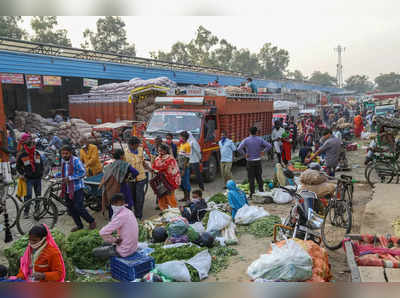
[[254, 172], [77, 208], [195, 167]]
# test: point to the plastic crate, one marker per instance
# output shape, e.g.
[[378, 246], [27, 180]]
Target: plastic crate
[[132, 267]]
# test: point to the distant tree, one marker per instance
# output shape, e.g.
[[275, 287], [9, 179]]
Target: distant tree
[[45, 32], [178, 54], [359, 83], [110, 36], [245, 62], [273, 61], [389, 82], [222, 56], [296, 75], [9, 27], [320, 78]]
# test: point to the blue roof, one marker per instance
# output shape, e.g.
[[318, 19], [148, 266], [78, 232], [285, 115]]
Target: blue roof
[[26, 63]]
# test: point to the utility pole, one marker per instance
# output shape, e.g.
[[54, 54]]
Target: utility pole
[[339, 66]]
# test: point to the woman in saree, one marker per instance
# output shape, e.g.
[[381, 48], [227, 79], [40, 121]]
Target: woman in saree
[[167, 165], [115, 180], [42, 260]]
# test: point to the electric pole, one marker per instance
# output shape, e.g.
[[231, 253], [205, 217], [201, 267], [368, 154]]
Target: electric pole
[[339, 66]]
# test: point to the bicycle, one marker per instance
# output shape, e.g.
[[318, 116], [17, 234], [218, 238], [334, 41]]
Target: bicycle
[[384, 168], [345, 189], [9, 203]]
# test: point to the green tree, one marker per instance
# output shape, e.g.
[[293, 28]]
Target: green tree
[[360, 83], [45, 32], [199, 48], [389, 82], [296, 75], [273, 61], [9, 27], [321, 78], [245, 62], [222, 57], [178, 54], [110, 36]]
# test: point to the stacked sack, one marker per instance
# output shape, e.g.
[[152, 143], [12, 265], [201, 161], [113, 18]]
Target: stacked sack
[[77, 129], [132, 84], [312, 180], [145, 108], [34, 123]]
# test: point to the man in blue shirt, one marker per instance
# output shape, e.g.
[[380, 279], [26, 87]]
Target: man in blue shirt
[[251, 85], [253, 148], [72, 173], [56, 141], [226, 148]]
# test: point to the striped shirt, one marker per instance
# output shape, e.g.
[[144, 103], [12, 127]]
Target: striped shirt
[[78, 174]]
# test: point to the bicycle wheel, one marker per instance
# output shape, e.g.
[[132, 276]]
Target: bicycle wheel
[[53, 193], [382, 172], [344, 192], [337, 223], [91, 200], [12, 211], [34, 212], [12, 187]]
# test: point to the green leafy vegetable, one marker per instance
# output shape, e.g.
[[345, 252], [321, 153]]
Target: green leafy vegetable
[[220, 257], [162, 255], [194, 274], [144, 234], [261, 228], [218, 198]]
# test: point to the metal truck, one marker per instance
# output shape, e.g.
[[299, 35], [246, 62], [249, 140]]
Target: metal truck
[[206, 116]]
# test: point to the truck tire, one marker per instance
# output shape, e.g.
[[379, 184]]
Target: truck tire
[[211, 173]]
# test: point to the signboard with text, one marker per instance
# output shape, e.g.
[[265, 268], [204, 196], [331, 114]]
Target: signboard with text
[[33, 81], [51, 81], [12, 78], [90, 83]]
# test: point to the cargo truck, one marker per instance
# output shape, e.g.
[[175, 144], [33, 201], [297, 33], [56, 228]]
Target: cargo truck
[[206, 116]]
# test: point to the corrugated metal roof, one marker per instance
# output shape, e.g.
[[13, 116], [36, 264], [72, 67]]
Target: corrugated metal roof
[[16, 62]]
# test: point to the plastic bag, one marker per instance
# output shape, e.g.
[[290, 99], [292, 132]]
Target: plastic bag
[[217, 221], [198, 227], [202, 263], [248, 214], [281, 197], [287, 263], [229, 235], [176, 270], [177, 228]]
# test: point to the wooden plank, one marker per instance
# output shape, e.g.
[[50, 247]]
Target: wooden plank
[[392, 274], [372, 274], [351, 262]]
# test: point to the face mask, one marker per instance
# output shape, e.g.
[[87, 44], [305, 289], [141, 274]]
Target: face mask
[[116, 209], [38, 244]]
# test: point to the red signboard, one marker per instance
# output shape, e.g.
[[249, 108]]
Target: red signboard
[[12, 78], [33, 81]]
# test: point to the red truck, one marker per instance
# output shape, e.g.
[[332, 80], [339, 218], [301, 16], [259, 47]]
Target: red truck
[[205, 116]]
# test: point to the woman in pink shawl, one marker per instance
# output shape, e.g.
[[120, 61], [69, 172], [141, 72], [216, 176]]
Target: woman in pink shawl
[[42, 260]]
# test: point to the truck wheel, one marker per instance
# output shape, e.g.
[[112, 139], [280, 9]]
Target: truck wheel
[[212, 171]]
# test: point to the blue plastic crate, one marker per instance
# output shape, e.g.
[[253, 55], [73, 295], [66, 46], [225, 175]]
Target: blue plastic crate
[[132, 267]]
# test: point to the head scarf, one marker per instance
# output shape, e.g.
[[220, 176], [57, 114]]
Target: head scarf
[[26, 258], [118, 169], [22, 140]]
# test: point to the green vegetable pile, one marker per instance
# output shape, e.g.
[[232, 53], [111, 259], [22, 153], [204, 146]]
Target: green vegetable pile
[[80, 247], [220, 257], [218, 198], [194, 274], [17, 249], [261, 228], [162, 255], [144, 234], [205, 219], [192, 234]]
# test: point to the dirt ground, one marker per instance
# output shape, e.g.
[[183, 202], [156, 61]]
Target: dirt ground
[[249, 247]]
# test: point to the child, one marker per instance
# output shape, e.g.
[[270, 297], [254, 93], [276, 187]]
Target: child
[[3, 273], [195, 211]]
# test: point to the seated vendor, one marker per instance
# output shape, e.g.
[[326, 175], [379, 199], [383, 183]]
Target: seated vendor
[[196, 210], [125, 224], [89, 155], [236, 197], [42, 260]]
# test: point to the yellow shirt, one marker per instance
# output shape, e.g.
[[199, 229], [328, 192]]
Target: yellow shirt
[[136, 161], [185, 149], [91, 160]]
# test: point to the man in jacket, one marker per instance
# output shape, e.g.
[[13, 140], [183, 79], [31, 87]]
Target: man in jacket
[[226, 148], [72, 174], [30, 166], [195, 159], [90, 157], [253, 147], [124, 223]]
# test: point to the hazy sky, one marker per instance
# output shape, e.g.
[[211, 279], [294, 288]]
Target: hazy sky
[[308, 29]]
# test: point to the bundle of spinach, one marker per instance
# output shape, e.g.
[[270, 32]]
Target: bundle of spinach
[[218, 198], [261, 228], [194, 274], [144, 234], [162, 255], [80, 247], [220, 257]]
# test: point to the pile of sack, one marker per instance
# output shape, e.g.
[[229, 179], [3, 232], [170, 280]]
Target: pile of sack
[[34, 123], [132, 84], [76, 129], [145, 108], [312, 180]]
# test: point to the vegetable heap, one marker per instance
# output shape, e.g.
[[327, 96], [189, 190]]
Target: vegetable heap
[[144, 234], [218, 198], [162, 255], [263, 227], [220, 257]]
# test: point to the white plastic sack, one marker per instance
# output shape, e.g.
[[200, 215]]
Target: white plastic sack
[[365, 135], [281, 196], [175, 270], [229, 235], [248, 214], [202, 263], [217, 221], [198, 227], [287, 263]]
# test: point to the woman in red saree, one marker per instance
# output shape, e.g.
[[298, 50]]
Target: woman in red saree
[[167, 165], [287, 147], [358, 125]]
